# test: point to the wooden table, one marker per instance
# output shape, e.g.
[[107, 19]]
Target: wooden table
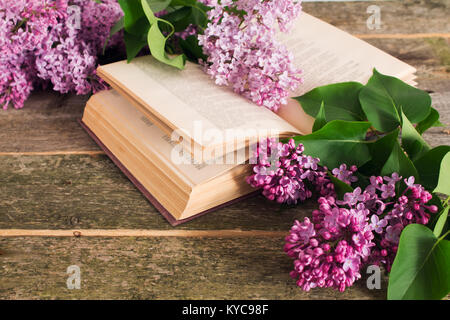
[[55, 181]]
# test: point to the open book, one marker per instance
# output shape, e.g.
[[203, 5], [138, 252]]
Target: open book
[[189, 103], [176, 185], [156, 109]]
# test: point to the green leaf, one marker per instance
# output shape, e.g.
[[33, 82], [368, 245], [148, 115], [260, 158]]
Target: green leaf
[[440, 224], [198, 15], [429, 166], [338, 142], [400, 163], [412, 141], [192, 49], [320, 119], [380, 150], [432, 120], [340, 101], [421, 269], [443, 185], [157, 41], [158, 5], [340, 186], [179, 3], [133, 44], [383, 96], [180, 18], [134, 17]]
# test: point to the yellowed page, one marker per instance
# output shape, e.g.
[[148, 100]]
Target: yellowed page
[[328, 55], [148, 138], [190, 101]]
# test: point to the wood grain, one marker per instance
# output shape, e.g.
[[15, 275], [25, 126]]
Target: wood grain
[[85, 192], [398, 16], [48, 122], [157, 268], [141, 233]]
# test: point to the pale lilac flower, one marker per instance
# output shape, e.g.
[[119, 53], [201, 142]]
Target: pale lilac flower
[[352, 198], [345, 175], [378, 224], [242, 51], [393, 233]]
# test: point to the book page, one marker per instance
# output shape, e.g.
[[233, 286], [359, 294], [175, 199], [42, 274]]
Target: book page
[[140, 131], [329, 55], [188, 100]]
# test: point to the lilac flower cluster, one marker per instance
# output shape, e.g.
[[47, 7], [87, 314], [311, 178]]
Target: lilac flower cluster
[[330, 250], [52, 41], [22, 27], [392, 212], [242, 50], [286, 175], [364, 227]]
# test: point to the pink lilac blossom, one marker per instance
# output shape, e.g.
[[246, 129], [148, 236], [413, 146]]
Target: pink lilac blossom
[[286, 175], [392, 212], [330, 250], [68, 56], [40, 42], [243, 52], [344, 174], [363, 228], [23, 25]]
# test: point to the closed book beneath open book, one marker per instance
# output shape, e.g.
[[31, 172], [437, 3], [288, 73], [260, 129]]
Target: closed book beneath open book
[[174, 132]]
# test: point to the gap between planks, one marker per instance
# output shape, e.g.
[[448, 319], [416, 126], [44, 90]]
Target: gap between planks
[[52, 153], [106, 233]]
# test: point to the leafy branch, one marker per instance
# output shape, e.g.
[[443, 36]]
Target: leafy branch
[[379, 128], [152, 23]]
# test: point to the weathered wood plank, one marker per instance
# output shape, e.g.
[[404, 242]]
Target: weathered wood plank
[[431, 58], [399, 16], [48, 122], [89, 192], [161, 268]]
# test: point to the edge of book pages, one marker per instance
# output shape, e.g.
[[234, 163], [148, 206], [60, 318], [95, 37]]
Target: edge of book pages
[[162, 210]]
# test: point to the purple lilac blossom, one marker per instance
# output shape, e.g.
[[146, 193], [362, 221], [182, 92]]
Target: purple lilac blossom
[[243, 52], [40, 42], [330, 250], [286, 175], [364, 228], [394, 212]]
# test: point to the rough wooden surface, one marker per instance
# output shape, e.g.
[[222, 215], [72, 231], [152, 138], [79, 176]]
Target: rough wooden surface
[[66, 192], [162, 268], [63, 182], [397, 16]]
